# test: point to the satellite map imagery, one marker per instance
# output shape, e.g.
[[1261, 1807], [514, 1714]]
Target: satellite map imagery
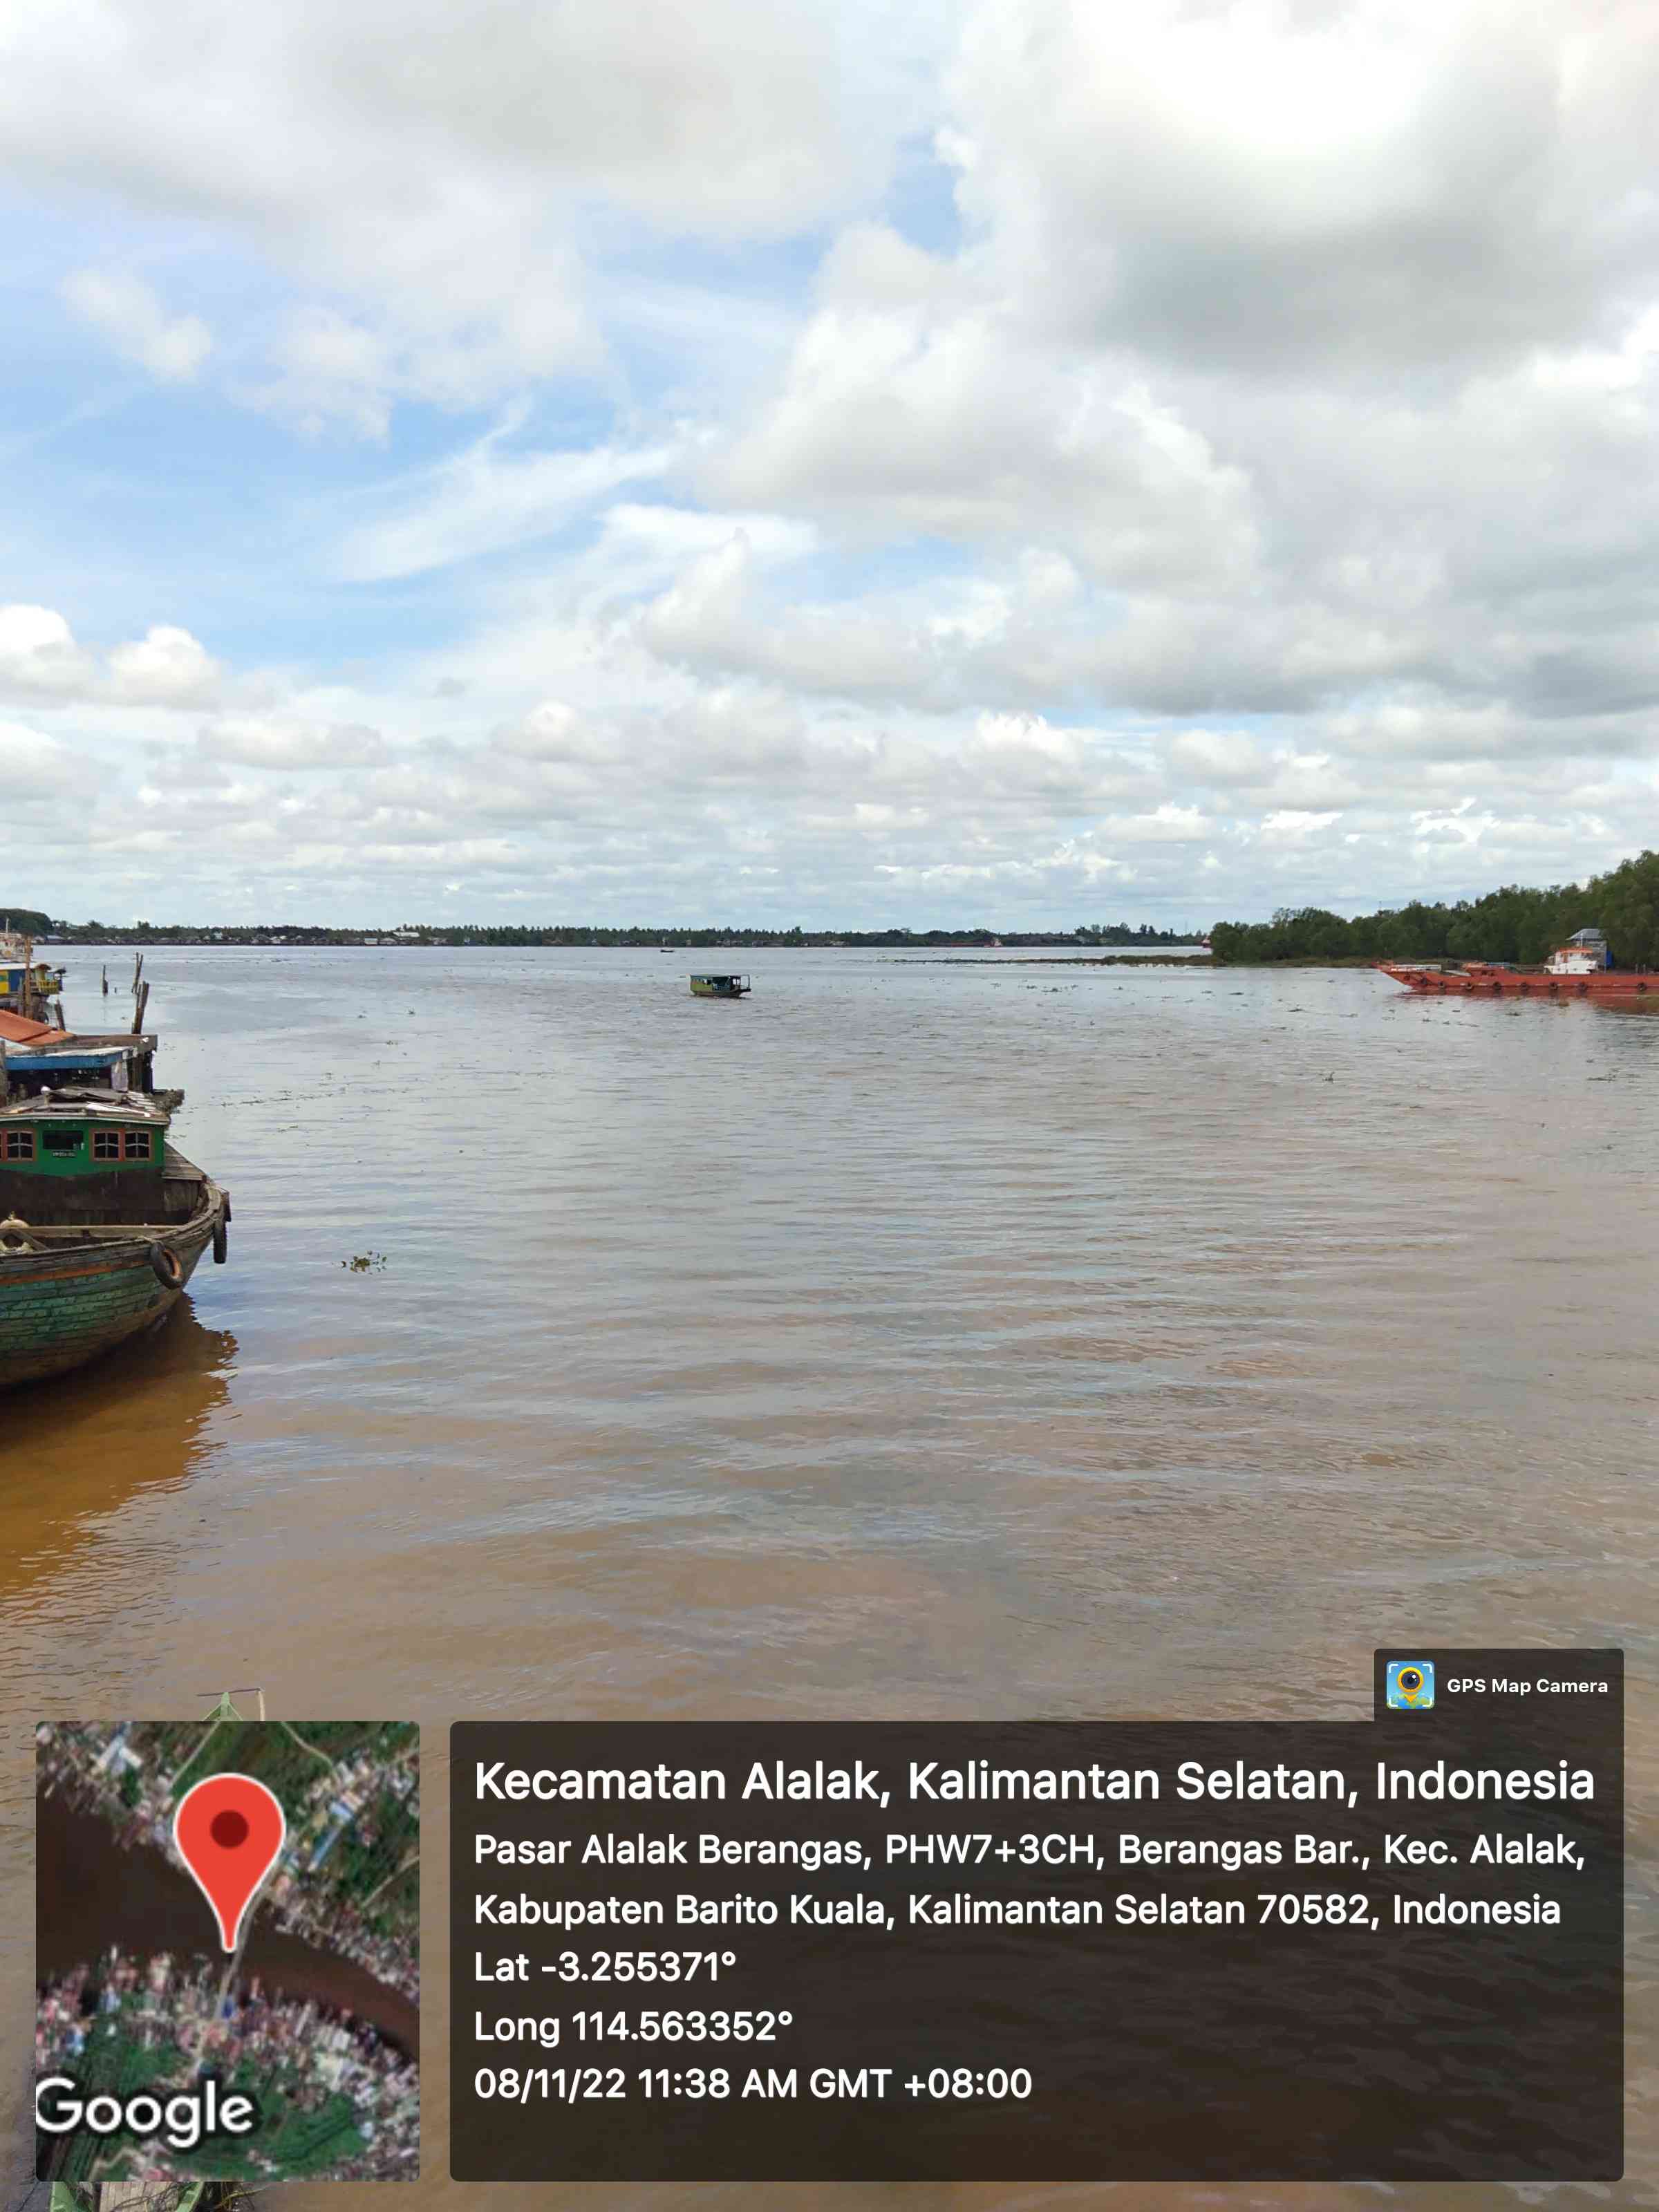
[[227, 1950]]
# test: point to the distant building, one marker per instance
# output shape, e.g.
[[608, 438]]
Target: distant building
[[115, 1754]]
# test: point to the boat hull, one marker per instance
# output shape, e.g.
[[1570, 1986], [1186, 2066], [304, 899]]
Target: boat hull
[[1618, 985], [61, 1308]]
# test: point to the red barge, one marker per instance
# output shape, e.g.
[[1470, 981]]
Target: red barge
[[1583, 968]]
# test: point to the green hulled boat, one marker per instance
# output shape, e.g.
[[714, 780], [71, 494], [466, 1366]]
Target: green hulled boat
[[101, 1224]]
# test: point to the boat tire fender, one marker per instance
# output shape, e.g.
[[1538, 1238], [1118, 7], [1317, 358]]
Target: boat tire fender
[[167, 1267], [226, 1209], [220, 1243]]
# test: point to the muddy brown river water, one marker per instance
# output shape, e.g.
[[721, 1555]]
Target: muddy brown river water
[[910, 1339]]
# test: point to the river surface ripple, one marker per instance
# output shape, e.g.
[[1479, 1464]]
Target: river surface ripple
[[911, 1338]]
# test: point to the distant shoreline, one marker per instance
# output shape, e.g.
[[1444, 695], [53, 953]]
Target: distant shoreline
[[576, 936], [1093, 960], [969, 953], [370, 940]]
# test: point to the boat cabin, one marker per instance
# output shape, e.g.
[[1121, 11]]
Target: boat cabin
[[87, 1156], [35, 1057], [78, 1062], [22, 987], [718, 987], [25, 983], [1585, 953]]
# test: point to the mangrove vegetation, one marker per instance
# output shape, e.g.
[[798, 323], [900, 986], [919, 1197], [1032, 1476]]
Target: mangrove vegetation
[[1515, 924]]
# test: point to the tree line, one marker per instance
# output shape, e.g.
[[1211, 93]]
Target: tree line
[[732, 935], [1515, 923]]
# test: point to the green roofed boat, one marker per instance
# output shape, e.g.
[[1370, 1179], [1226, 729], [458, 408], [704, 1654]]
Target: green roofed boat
[[101, 1224], [720, 987]]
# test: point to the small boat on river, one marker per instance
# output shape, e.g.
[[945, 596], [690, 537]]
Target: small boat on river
[[1581, 968], [26, 984], [101, 1224], [720, 987]]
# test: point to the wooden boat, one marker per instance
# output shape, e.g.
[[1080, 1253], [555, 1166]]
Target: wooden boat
[[1581, 969], [102, 1223], [720, 987], [26, 984]]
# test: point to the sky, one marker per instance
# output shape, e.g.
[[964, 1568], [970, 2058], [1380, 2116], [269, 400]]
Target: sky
[[1015, 462]]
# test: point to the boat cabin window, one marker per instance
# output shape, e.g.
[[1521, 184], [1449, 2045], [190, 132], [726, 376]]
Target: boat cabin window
[[18, 1145], [121, 1145], [63, 1144]]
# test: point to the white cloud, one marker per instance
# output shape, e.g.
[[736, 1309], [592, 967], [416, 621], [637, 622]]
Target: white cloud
[[331, 372], [263, 741], [712, 617], [33, 765], [912, 405], [641, 547], [40, 658], [38, 652], [125, 309], [1256, 187], [1249, 490], [168, 668], [484, 499], [445, 169], [1292, 825], [1217, 757], [551, 732]]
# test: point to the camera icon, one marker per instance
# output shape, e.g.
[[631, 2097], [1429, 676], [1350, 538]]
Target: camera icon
[[1410, 1684]]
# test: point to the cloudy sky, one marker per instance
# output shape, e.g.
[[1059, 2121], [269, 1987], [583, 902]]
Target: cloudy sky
[[1015, 460]]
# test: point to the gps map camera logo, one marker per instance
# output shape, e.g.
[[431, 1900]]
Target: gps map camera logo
[[1411, 1684]]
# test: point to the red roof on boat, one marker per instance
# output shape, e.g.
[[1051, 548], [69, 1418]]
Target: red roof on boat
[[16, 1028]]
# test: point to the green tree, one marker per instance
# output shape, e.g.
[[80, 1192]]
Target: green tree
[[1516, 922]]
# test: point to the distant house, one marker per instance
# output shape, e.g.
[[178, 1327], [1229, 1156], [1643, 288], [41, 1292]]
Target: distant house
[[343, 1815]]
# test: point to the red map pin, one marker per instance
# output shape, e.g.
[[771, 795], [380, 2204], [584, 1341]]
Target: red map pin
[[229, 1832]]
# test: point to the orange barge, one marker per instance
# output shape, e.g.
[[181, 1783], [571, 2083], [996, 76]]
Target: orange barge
[[1581, 968]]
